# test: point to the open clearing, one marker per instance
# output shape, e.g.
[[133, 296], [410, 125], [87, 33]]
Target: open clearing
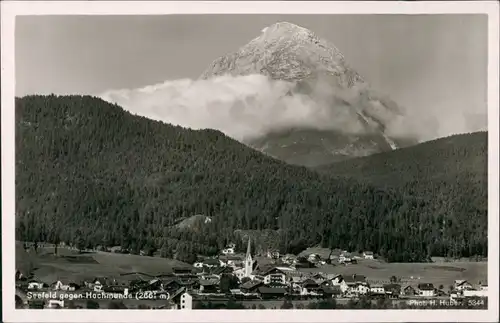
[[69, 265], [412, 273]]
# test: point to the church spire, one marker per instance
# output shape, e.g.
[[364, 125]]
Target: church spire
[[248, 248], [248, 261]]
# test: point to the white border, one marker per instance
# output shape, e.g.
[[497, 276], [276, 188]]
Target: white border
[[9, 9]]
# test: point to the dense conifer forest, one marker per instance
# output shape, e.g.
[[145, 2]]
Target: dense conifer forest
[[431, 165], [88, 173], [449, 175]]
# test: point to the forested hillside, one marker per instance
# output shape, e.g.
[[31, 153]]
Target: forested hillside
[[89, 173], [451, 160], [450, 175]]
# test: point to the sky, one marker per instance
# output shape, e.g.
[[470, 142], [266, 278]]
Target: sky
[[429, 64]]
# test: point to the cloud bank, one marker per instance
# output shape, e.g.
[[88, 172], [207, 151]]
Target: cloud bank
[[243, 107], [247, 107]]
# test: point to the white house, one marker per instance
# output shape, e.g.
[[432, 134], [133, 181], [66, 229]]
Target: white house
[[61, 286], [212, 262], [228, 251], [274, 275], [337, 279], [426, 293], [289, 259], [239, 272], [377, 289], [233, 261], [273, 254], [35, 285], [116, 249], [355, 284], [340, 281], [344, 287], [361, 289], [309, 287], [97, 281], [94, 285], [198, 265], [356, 255], [312, 257], [307, 292], [257, 278], [368, 255], [461, 285], [425, 290], [345, 257], [55, 303], [186, 302], [294, 276], [275, 278]]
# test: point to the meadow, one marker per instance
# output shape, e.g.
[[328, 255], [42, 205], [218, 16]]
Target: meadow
[[412, 273], [70, 265]]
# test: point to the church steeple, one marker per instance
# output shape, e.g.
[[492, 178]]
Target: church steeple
[[248, 249], [248, 260]]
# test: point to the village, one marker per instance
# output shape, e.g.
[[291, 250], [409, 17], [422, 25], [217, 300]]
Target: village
[[245, 278]]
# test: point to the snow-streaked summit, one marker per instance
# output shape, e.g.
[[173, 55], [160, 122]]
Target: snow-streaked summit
[[285, 51], [317, 69]]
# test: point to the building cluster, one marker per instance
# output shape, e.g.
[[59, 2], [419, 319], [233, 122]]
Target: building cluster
[[243, 278]]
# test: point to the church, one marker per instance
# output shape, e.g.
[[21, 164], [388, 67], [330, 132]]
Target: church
[[248, 263]]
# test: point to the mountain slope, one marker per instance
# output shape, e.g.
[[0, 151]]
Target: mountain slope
[[449, 174], [446, 159], [314, 148], [291, 53], [89, 173]]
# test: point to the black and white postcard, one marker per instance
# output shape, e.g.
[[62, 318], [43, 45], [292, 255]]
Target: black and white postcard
[[249, 161]]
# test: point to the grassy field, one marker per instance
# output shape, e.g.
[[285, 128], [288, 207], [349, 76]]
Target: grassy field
[[70, 265], [412, 273], [438, 272], [73, 266]]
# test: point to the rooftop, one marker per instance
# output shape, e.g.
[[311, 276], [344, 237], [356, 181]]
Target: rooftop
[[251, 284], [426, 286], [354, 278], [208, 282], [211, 261]]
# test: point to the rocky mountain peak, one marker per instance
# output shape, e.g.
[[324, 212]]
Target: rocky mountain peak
[[287, 52], [315, 68]]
